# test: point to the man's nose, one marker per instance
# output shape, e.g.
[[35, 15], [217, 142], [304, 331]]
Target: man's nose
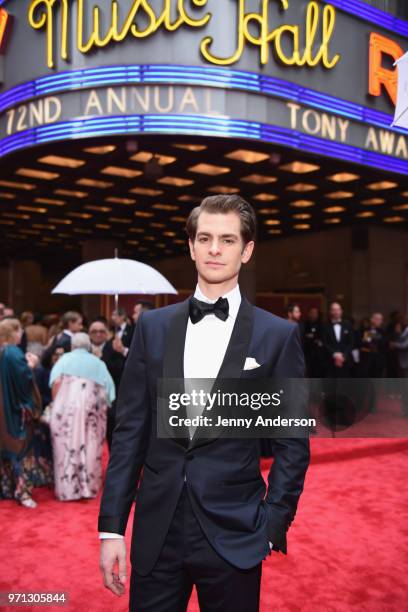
[[214, 248]]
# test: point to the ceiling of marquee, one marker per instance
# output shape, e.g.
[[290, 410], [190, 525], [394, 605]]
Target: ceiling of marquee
[[54, 197]]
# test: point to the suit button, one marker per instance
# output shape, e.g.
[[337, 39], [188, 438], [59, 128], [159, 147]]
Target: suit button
[[190, 457]]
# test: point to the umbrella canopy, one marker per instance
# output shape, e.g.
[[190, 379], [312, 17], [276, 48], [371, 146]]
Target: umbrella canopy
[[401, 111], [114, 277]]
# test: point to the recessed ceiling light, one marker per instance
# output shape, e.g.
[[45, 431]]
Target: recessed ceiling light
[[332, 220], [224, 189], [145, 156], [128, 173], [141, 213], [71, 193], [80, 230], [30, 231], [63, 221], [395, 219], [259, 179], [136, 230], [46, 227], [373, 201], [171, 234], [64, 162], [4, 222], [158, 225], [334, 209], [16, 185], [302, 226], [175, 181], [98, 208], [302, 216], [135, 242], [178, 219], [302, 203], [190, 147], [275, 231], [302, 187], [165, 207], [268, 211], [64, 235], [343, 177], [100, 150], [33, 209], [382, 185], [38, 174], [78, 215], [7, 196], [365, 214], [298, 167], [120, 220], [400, 207], [272, 222], [188, 198], [146, 191], [10, 215], [103, 226], [247, 156], [126, 201], [339, 195], [93, 183], [50, 201], [265, 197], [210, 169]]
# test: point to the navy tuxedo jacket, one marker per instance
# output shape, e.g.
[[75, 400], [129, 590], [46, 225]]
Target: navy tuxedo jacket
[[223, 477]]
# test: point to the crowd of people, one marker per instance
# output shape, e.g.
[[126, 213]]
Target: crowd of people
[[58, 386]]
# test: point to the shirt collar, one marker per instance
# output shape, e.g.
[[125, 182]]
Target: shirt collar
[[68, 332], [233, 297]]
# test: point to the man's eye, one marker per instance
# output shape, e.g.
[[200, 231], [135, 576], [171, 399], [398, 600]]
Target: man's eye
[[228, 240], [202, 239]]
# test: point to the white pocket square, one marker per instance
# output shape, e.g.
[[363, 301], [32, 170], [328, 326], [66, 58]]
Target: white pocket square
[[251, 363]]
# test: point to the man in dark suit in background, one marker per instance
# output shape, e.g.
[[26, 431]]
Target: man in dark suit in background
[[114, 354], [338, 343], [201, 515]]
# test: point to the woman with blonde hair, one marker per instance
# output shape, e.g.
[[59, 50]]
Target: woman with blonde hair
[[19, 404], [82, 388]]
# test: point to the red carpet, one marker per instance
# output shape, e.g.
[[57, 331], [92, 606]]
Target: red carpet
[[347, 548]]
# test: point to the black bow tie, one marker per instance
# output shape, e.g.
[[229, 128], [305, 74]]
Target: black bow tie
[[198, 309]]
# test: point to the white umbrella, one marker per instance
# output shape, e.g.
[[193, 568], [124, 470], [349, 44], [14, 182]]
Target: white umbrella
[[113, 277], [401, 111]]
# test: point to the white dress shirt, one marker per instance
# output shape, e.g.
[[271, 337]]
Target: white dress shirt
[[337, 330]]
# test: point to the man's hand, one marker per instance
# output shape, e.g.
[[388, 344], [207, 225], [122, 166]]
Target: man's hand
[[117, 345], [338, 360], [113, 557], [32, 360]]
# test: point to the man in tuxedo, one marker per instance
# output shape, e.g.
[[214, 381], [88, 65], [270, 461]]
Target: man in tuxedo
[[338, 343], [201, 517], [114, 354]]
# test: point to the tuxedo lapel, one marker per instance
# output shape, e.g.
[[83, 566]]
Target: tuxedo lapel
[[234, 359], [173, 361]]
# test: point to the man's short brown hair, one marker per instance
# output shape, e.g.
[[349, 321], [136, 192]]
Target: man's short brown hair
[[225, 204]]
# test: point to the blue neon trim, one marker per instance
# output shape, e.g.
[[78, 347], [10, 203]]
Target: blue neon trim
[[194, 75], [198, 125], [372, 14]]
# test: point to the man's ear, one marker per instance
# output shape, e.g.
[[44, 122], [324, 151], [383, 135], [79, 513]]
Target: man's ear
[[247, 252], [191, 246]]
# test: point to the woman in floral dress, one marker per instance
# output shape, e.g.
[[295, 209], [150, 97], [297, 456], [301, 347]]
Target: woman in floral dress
[[82, 389]]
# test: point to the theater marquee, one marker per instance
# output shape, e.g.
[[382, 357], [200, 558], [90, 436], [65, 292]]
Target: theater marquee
[[274, 70]]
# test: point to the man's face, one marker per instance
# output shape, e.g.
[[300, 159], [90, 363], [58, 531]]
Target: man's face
[[98, 333], [336, 311], [117, 319], [137, 311], [9, 312], [218, 249], [313, 314], [59, 351], [296, 313], [75, 326], [377, 319]]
